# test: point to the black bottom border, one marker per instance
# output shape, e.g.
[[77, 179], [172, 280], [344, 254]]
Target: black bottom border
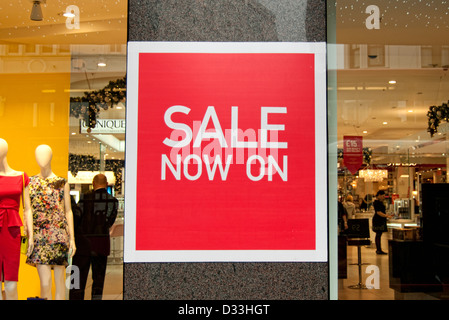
[[209, 309]]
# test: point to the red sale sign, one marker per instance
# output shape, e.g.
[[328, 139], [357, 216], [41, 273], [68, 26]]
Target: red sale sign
[[226, 152], [353, 152]]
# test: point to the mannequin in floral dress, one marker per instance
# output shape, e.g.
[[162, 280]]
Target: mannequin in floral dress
[[13, 185], [54, 240]]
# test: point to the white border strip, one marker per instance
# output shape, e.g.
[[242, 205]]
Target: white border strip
[[320, 254]]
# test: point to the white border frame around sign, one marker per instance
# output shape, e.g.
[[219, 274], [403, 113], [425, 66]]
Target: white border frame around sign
[[320, 254]]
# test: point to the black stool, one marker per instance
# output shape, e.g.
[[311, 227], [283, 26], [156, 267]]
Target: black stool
[[359, 243], [358, 235]]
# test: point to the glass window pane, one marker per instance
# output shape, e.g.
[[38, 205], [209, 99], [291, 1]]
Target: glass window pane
[[392, 96], [62, 68]]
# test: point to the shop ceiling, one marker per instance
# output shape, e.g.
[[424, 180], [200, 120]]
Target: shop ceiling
[[366, 99], [409, 47], [102, 34]]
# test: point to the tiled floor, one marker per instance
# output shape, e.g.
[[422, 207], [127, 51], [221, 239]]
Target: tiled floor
[[369, 257], [113, 284]]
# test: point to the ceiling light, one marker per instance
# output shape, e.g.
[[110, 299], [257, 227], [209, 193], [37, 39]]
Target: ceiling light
[[392, 81], [68, 14], [346, 88], [36, 10], [410, 111], [101, 63], [385, 122], [373, 174], [365, 131], [376, 88]]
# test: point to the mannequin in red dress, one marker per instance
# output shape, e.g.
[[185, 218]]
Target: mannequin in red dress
[[10, 224], [43, 158]]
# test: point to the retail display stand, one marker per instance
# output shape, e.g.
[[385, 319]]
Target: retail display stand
[[358, 235]]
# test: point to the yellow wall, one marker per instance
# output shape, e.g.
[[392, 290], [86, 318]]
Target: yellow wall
[[34, 110]]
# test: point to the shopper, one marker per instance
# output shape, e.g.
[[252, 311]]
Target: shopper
[[364, 204], [342, 218], [380, 219], [96, 215], [349, 206]]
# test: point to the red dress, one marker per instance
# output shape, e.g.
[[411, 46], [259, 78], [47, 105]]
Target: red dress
[[10, 222]]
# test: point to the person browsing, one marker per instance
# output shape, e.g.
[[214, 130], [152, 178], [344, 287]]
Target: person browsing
[[94, 216]]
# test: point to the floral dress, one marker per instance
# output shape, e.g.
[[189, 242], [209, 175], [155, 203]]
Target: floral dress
[[51, 240]]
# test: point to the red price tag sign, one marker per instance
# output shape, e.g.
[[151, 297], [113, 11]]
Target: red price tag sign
[[353, 152]]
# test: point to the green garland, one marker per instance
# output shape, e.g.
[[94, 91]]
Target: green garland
[[435, 115], [89, 163], [88, 106], [367, 154]]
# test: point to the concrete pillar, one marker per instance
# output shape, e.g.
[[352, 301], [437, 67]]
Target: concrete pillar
[[227, 20]]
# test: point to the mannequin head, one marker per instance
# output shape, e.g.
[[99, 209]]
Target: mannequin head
[[44, 155], [3, 148]]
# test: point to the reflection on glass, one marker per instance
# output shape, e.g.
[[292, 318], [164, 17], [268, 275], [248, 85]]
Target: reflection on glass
[[392, 91], [44, 66]]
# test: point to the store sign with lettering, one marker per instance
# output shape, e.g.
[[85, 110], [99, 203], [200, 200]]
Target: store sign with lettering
[[105, 126], [226, 155]]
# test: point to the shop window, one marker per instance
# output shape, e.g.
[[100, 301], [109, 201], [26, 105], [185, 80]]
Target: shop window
[[392, 94], [44, 65]]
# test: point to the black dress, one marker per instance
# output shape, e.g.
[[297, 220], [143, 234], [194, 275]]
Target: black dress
[[379, 223]]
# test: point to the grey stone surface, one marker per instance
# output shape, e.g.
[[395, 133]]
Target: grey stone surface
[[226, 281], [191, 20], [226, 20]]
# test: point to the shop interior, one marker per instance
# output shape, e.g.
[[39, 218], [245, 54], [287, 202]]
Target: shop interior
[[54, 55], [389, 77]]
